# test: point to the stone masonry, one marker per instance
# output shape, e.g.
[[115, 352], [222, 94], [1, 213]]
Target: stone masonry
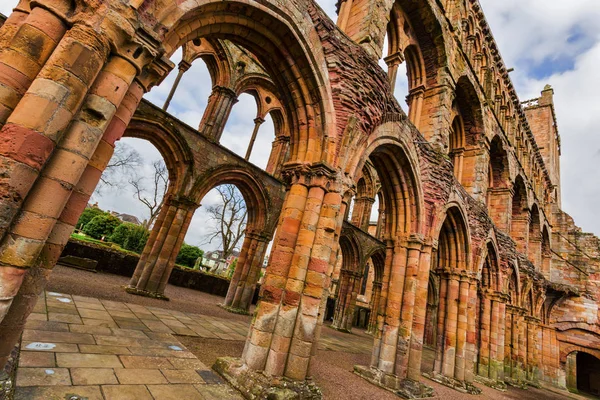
[[471, 272]]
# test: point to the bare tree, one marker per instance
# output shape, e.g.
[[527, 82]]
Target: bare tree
[[124, 162], [154, 197], [229, 219]]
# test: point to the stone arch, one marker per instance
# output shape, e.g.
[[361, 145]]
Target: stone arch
[[519, 220], [173, 148], [534, 247], [255, 194], [466, 133], [214, 55], [280, 45], [498, 191], [546, 252], [454, 241], [349, 282]]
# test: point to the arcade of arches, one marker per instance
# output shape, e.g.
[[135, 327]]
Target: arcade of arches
[[438, 228]]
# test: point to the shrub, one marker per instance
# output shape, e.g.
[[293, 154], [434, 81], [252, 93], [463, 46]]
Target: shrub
[[101, 226], [130, 237], [87, 215], [188, 255]]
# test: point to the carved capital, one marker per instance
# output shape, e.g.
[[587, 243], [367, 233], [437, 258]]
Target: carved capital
[[311, 175]]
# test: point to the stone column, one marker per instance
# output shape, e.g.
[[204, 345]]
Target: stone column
[[521, 347], [451, 326], [344, 14], [408, 306], [483, 366], [471, 345], [278, 155], [251, 270], [183, 67], [361, 214], [344, 297], [499, 207], [283, 332], [13, 21], [420, 312], [220, 104], [249, 239], [415, 105], [26, 140], [257, 123], [374, 303], [499, 360], [161, 259], [36, 277], [441, 318], [62, 171], [571, 368], [385, 287], [393, 62], [461, 329], [20, 60]]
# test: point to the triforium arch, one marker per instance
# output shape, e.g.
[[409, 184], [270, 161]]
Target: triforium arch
[[499, 190], [349, 281], [519, 219], [466, 137], [275, 43], [455, 318], [534, 247]]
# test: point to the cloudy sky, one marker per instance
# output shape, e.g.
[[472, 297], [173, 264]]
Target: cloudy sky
[[546, 41]]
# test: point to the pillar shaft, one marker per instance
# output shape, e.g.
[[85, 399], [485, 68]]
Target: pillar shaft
[[257, 123], [183, 67], [220, 104]]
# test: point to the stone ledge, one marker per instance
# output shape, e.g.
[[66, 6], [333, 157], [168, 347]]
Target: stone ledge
[[234, 310], [461, 386], [256, 385], [406, 388], [138, 292], [494, 384]]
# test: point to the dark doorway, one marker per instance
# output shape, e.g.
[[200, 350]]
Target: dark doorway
[[588, 374]]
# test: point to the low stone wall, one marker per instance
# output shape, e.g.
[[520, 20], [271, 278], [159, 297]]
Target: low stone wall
[[117, 262]]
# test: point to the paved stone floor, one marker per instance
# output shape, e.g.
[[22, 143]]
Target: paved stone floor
[[124, 348]]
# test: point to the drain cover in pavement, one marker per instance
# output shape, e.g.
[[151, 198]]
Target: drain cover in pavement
[[210, 377]]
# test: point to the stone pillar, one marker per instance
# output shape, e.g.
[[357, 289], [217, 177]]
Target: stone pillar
[[344, 14], [283, 331], [450, 326], [441, 316], [521, 340], [13, 21], [361, 214], [278, 155], [36, 277], [246, 285], [220, 104], [344, 297], [249, 239], [76, 145], [532, 349], [161, 258], [415, 105], [461, 329], [389, 254], [420, 306], [471, 345], [483, 366], [257, 123], [393, 61], [20, 60], [571, 368], [408, 307], [499, 202], [499, 360], [374, 303], [183, 67], [26, 140]]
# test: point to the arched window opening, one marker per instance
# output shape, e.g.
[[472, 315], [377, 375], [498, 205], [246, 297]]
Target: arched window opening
[[457, 146], [546, 254], [487, 326], [588, 368], [240, 125], [534, 248], [519, 224], [498, 192], [219, 226], [405, 65], [131, 192]]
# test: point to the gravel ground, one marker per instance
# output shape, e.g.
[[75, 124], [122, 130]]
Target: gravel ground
[[332, 370]]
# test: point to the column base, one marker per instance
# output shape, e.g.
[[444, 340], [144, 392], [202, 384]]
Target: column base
[[340, 329], [234, 310], [461, 386], [257, 385], [8, 374], [494, 384], [405, 388], [139, 292]]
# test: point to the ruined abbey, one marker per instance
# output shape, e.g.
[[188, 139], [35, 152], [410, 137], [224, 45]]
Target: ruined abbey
[[471, 273]]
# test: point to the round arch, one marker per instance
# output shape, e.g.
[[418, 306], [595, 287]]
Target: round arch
[[255, 194], [281, 46]]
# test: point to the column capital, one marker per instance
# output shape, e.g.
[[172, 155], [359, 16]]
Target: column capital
[[184, 65], [259, 121], [154, 73], [394, 59], [311, 175], [225, 91]]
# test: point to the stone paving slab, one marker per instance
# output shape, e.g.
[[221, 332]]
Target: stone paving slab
[[101, 349]]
